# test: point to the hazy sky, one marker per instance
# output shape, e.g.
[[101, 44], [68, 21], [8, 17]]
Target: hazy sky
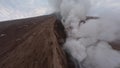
[[15, 9]]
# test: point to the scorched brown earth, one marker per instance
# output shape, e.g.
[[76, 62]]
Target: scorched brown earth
[[32, 43]]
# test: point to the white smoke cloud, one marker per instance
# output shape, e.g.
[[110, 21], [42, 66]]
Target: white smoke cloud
[[102, 56], [101, 29], [89, 42], [55, 4]]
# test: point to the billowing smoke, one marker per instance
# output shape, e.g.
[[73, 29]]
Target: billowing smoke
[[88, 38]]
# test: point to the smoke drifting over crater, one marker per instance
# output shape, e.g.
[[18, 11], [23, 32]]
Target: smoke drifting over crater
[[88, 40]]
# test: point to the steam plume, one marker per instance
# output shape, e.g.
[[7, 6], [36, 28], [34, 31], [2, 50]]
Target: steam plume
[[89, 37]]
